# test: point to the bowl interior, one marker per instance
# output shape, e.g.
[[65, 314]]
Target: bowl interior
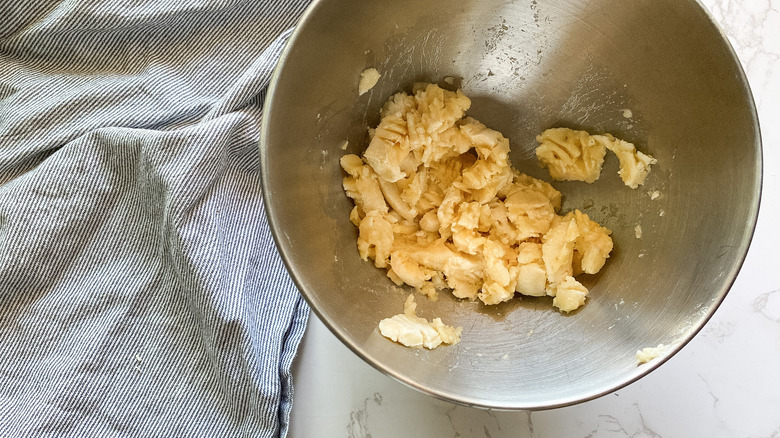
[[527, 66]]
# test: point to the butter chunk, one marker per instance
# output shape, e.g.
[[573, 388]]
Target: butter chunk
[[413, 331]]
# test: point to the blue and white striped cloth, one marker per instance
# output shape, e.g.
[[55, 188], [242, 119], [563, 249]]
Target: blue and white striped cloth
[[140, 290]]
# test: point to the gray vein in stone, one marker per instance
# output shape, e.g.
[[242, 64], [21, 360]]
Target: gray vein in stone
[[760, 304], [715, 399], [448, 413], [358, 418], [493, 416], [646, 431], [719, 330], [614, 423]]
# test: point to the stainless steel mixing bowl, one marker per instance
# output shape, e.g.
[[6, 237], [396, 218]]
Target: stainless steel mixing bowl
[[527, 65]]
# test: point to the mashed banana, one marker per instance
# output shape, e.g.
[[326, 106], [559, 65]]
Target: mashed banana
[[439, 206]]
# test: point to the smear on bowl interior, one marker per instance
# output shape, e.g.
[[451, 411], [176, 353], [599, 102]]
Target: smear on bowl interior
[[368, 78], [439, 206]]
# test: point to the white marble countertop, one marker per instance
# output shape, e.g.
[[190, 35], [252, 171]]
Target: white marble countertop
[[725, 383]]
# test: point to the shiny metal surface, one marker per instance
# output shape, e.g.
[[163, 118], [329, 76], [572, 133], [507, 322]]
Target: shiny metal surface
[[528, 66]]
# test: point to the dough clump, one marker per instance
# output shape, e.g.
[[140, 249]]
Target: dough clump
[[571, 155], [439, 206]]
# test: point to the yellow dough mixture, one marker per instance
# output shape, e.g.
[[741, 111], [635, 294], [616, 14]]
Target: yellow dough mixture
[[439, 206]]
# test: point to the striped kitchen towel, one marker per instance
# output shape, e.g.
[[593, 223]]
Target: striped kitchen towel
[[140, 290]]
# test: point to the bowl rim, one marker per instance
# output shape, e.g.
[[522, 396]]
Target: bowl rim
[[638, 373]]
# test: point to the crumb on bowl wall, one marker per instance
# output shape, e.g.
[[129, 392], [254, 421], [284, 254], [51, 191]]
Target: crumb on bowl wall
[[413, 331], [645, 355], [368, 78]]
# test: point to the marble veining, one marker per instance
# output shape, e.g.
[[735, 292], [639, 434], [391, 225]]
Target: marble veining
[[357, 427], [613, 425], [768, 305]]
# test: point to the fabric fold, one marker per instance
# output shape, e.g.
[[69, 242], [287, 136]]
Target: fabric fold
[[141, 293]]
